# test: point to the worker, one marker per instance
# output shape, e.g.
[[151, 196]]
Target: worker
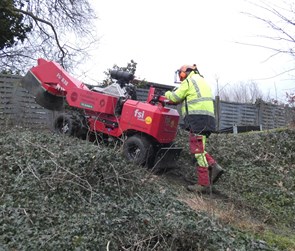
[[198, 114]]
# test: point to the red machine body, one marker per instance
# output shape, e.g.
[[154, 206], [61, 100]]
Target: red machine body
[[157, 121], [56, 81], [151, 118]]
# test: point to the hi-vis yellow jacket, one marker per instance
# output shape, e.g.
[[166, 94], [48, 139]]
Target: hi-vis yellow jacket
[[198, 96]]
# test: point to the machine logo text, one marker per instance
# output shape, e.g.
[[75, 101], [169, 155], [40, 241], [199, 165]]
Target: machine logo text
[[139, 114]]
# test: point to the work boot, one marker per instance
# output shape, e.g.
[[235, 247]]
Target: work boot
[[197, 188], [216, 172]]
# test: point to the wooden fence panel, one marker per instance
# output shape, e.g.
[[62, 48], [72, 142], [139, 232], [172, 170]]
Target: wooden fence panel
[[231, 114], [18, 106], [273, 116], [141, 94]]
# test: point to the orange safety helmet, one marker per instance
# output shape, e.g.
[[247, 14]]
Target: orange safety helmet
[[185, 70]]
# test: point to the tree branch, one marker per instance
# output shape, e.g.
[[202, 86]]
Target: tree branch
[[36, 19]]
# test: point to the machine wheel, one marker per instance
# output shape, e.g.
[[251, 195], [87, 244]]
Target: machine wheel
[[138, 149], [71, 125], [63, 124]]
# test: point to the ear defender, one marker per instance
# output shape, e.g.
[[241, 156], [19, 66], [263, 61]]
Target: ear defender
[[182, 75]]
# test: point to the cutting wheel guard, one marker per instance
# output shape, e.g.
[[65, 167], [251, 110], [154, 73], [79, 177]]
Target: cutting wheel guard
[[42, 97]]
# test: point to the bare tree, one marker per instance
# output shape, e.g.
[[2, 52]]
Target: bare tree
[[279, 21], [241, 92], [62, 30]]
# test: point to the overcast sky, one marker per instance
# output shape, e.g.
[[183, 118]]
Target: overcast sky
[[163, 35]]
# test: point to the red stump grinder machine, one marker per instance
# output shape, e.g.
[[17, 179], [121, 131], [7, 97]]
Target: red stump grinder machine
[[146, 129]]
